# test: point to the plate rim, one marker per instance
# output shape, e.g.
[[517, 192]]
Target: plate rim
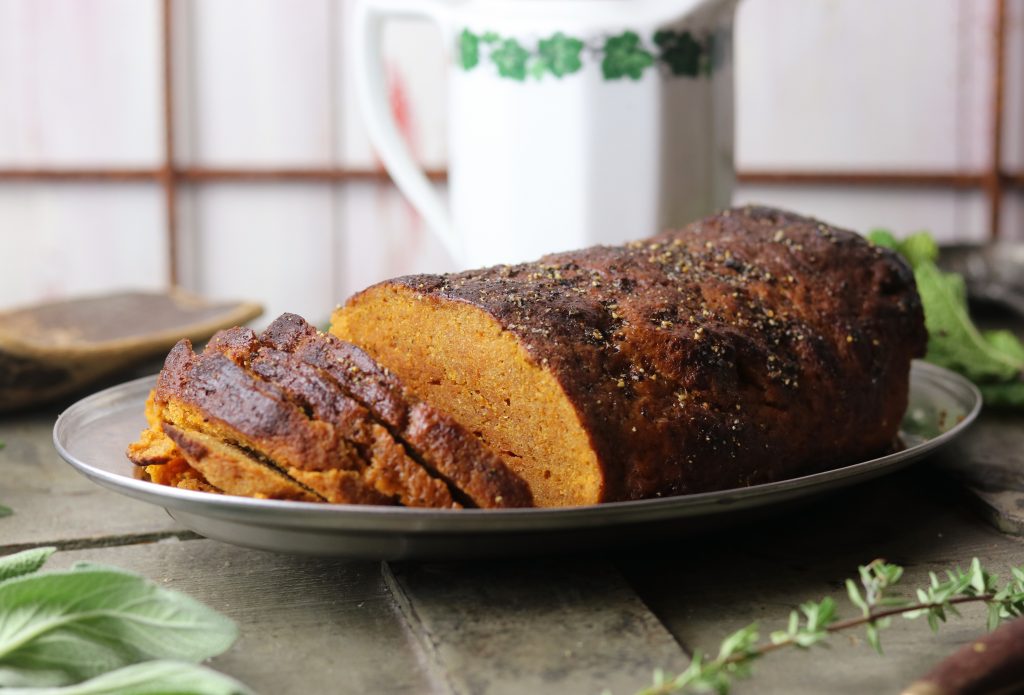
[[387, 520]]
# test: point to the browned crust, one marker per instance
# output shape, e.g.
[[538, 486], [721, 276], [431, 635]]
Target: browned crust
[[442, 444], [391, 471], [751, 346], [291, 413], [215, 388], [213, 394]]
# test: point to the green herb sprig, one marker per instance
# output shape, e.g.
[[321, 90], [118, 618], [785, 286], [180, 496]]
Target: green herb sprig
[[994, 360], [94, 629], [815, 622]]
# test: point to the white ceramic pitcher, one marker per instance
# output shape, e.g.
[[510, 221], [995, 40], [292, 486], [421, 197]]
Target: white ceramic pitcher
[[571, 122]]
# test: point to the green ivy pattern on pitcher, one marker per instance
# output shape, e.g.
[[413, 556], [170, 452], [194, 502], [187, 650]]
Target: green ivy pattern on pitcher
[[622, 56]]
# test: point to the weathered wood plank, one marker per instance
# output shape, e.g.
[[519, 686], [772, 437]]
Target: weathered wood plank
[[569, 626], [308, 625], [989, 460], [52, 502], [709, 587]]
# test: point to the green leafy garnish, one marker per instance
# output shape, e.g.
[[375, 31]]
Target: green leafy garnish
[[953, 339], [871, 594], [992, 359], [25, 562], [1008, 395], [60, 629], [149, 678]]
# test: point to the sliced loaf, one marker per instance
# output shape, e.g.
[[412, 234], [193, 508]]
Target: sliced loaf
[[751, 346]]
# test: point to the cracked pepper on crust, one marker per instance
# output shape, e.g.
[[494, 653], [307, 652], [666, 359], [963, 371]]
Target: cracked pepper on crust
[[751, 346]]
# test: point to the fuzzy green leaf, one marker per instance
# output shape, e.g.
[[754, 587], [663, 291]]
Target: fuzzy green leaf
[[855, 597], [872, 635], [58, 628], [5, 511], [994, 616], [740, 642], [560, 54], [819, 615], [25, 562], [149, 678], [510, 58], [625, 56]]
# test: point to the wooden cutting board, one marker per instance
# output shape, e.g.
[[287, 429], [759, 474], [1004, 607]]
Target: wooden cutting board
[[53, 349]]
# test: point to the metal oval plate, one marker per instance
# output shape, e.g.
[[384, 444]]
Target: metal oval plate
[[93, 433]]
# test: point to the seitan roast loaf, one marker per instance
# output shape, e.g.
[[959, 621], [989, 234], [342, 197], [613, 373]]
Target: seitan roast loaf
[[751, 346]]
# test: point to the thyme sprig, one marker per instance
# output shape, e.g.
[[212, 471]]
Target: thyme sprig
[[814, 622]]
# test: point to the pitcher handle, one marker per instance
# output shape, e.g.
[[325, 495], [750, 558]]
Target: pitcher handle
[[367, 27]]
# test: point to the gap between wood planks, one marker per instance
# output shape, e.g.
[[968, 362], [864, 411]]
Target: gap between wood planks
[[104, 542]]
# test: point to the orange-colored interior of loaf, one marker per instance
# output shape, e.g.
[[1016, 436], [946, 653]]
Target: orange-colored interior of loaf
[[458, 358]]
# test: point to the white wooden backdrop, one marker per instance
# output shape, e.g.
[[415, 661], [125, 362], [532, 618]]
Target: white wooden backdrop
[[822, 84]]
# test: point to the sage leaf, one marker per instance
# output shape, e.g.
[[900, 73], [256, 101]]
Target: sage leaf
[[5, 511], [59, 628], [25, 562], [149, 678]]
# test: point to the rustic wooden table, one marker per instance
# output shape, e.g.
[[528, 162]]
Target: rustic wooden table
[[570, 624]]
